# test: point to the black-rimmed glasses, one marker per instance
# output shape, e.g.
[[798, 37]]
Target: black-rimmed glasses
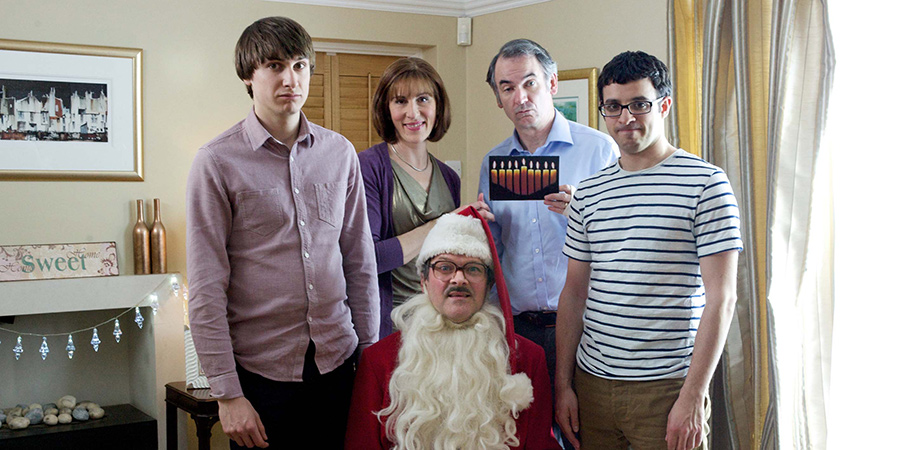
[[473, 271], [636, 108]]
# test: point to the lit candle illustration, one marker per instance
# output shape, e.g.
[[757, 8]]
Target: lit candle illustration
[[502, 175], [494, 172], [530, 177], [516, 181], [522, 182], [545, 175], [509, 176], [552, 173], [523, 177]]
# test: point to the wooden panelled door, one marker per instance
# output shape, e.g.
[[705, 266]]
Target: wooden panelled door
[[340, 95]]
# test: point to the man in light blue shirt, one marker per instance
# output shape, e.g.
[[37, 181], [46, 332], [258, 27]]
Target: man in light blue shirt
[[530, 235]]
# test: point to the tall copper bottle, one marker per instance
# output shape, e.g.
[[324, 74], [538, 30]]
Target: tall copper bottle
[[141, 238], [157, 241]]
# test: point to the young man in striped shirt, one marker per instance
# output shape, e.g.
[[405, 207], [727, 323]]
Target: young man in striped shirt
[[651, 286]]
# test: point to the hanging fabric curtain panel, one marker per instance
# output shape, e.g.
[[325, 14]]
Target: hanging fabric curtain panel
[[752, 80]]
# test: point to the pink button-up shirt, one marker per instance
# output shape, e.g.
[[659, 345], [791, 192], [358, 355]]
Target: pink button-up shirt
[[279, 252]]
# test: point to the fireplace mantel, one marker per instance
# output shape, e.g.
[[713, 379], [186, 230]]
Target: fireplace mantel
[[134, 371], [20, 298]]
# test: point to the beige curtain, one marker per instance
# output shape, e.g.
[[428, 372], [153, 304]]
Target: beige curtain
[[755, 77], [800, 248]]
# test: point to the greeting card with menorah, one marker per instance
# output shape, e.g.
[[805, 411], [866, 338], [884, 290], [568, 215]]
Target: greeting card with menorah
[[523, 177]]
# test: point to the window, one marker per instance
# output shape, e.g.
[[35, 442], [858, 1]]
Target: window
[[865, 159]]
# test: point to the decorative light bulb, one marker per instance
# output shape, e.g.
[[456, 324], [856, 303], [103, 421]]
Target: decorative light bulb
[[70, 347], [138, 318], [44, 349], [154, 303], [117, 331], [95, 341], [18, 348]]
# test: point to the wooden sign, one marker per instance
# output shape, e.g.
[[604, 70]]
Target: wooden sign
[[53, 261], [523, 177]]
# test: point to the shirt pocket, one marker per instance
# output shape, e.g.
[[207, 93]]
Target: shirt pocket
[[330, 200], [259, 211]]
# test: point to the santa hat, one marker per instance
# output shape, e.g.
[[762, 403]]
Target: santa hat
[[456, 234], [467, 233]]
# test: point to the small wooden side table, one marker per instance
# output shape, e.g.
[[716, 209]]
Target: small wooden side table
[[201, 406]]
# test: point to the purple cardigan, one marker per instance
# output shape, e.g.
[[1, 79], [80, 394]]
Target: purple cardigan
[[378, 177]]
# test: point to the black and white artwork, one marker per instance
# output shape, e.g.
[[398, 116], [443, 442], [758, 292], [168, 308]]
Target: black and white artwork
[[70, 112], [40, 110]]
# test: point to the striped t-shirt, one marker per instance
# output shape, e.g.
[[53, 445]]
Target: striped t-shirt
[[644, 234]]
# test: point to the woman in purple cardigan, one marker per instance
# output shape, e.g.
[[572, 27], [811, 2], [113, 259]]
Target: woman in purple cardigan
[[406, 187]]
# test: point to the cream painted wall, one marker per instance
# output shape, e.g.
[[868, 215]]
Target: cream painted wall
[[191, 93], [577, 33]]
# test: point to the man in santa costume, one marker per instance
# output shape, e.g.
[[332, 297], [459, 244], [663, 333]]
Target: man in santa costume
[[455, 376]]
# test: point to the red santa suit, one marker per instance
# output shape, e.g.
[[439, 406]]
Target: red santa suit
[[377, 364], [370, 395]]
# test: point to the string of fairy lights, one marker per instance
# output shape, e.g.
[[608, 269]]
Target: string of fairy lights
[[171, 287]]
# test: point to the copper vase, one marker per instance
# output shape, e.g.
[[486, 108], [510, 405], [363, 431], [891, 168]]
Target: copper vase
[[157, 241], [141, 238]]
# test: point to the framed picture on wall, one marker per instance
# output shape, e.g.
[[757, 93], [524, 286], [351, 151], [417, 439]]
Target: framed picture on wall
[[576, 98], [70, 112]]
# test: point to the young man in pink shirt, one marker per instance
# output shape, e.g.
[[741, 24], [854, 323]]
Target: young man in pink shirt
[[279, 255]]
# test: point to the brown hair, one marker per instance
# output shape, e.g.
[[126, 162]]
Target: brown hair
[[409, 69], [271, 38]]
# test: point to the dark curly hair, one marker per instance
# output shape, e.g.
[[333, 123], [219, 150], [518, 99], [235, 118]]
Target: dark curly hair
[[632, 66]]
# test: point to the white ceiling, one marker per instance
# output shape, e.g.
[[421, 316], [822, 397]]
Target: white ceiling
[[455, 8]]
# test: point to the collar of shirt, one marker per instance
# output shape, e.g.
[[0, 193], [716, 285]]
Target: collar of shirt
[[559, 132], [259, 135]]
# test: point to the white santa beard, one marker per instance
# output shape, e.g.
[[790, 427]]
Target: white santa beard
[[452, 388]]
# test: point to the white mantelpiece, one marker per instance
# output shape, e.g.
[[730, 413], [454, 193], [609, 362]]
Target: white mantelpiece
[[19, 298], [133, 371]]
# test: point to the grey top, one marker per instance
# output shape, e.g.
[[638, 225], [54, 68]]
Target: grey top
[[413, 206]]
